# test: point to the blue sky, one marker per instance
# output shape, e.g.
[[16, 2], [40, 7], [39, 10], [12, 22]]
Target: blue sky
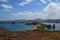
[[29, 9]]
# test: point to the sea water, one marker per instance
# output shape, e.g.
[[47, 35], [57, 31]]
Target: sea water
[[17, 27], [23, 27], [57, 26]]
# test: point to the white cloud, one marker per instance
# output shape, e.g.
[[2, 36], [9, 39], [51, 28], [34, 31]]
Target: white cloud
[[28, 0], [43, 1], [25, 2], [22, 4], [52, 11], [4, 0], [49, 1], [27, 15], [6, 6]]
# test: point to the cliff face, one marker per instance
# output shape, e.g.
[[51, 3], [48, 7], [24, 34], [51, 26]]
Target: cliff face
[[28, 35]]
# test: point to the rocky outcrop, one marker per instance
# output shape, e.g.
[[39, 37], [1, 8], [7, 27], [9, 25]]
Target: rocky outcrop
[[3, 33], [3, 30], [28, 35]]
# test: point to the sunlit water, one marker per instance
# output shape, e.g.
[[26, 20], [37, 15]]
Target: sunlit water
[[22, 27], [57, 26]]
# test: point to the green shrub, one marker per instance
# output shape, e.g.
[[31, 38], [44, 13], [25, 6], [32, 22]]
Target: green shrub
[[39, 27]]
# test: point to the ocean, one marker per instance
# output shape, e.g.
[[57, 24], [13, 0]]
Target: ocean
[[57, 26], [23, 27], [17, 27]]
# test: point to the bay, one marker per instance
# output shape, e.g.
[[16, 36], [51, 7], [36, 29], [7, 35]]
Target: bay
[[17, 27], [23, 27]]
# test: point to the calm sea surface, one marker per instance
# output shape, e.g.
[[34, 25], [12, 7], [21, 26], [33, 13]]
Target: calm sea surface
[[22, 27], [17, 27]]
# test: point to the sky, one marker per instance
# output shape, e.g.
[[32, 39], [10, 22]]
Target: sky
[[29, 9]]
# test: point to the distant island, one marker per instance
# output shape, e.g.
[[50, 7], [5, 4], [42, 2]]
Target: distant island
[[51, 20], [30, 21]]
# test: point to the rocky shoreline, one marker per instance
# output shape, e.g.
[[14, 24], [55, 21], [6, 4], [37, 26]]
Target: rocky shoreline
[[29, 35]]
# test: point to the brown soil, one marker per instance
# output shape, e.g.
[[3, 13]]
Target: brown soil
[[29, 35]]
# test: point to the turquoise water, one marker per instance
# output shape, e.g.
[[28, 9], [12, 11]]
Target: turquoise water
[[17, 27], [23, 27]]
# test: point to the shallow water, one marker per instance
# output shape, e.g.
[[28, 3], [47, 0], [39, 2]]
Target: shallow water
[[17, 27], [22, 27]]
